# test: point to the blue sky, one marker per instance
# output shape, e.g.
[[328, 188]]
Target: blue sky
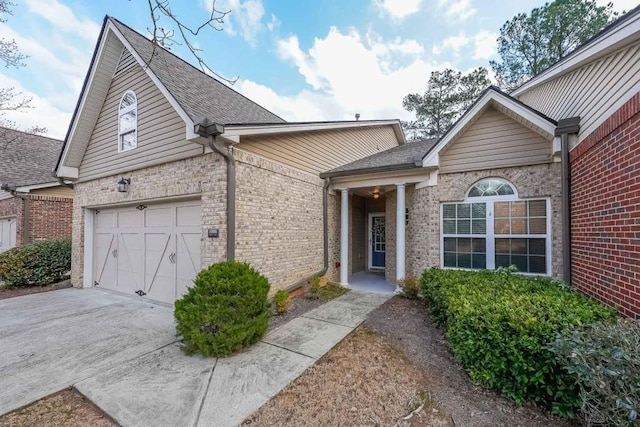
[[304, 60]]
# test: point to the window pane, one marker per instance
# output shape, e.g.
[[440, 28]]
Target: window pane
[[479, 226], [519, 209], [501, 209], [479, 261], [537, 226], [520, 261], [464, 245], [519, 226], [127, 100], [464, 226], [501, 226], [519, 246], [127, 121], [537, 264], [464, 260], [475, 192], [449, 226], [479, 245], [503, 261], [505, 190], [449, 211], [449, 244], [128, 141], [450, 260], [537, 246], [479, 210], [464, 210], [538, 208], [502, 246]]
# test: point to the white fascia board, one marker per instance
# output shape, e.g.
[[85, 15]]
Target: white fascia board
[[232, 130], [67, 172], [28, 188], [432, 159], [189, 125], [586, 54]]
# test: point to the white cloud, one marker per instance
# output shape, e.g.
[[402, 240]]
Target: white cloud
[[398, 9], [63, 18], [485, 45], [457, 10], [274, 23], [42, 114], [452, 44], [245, 17], [347, 74]]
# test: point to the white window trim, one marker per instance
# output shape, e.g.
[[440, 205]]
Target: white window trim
[[490, 235], [471, 199], [124, 111]]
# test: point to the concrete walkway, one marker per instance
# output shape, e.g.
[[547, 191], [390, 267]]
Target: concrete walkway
[[122, 353]]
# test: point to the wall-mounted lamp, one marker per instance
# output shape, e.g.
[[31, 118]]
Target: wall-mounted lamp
[[123, 185], [376, 194]]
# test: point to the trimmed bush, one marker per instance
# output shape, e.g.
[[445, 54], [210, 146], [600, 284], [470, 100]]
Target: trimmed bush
[[225, 311], [498, 325], [605, 357], [281, 301], [36, 264], [410, 286]]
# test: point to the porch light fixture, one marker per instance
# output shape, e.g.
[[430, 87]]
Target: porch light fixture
[[376, 194], [123, 185]]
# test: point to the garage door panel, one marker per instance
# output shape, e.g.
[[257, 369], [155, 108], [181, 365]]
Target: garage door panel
[[107, 219], [188, 215], [159, 269], [105, 261], [187, 260], [7, 234], [130, 257], [158, 216], [129, 219]]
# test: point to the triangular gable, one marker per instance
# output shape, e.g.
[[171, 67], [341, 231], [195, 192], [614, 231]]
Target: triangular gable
[[491, 97], [105, 59]]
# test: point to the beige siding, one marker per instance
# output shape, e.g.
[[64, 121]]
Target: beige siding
[[161, 131], [321, 151], [495, 140], [57, 191], [592, 92]]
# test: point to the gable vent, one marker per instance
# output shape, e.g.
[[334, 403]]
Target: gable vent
[[126, 61]]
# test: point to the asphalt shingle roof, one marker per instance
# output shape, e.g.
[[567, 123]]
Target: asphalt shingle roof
[[27, 159], [403, 155], [199, 94]]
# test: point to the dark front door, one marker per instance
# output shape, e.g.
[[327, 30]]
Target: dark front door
[[378, 246]]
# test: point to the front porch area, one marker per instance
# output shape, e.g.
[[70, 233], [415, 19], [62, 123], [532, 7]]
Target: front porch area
[[371, 281]]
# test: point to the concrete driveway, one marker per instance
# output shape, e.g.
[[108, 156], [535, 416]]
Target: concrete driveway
[[122, 353]]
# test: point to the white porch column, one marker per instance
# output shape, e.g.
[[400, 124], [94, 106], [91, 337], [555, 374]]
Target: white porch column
[[344, 238], [400, 232]]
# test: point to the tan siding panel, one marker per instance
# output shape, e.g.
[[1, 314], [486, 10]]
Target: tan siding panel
[[57, 191], [591, 91], [160, 130], [493, 141], [321, 151]]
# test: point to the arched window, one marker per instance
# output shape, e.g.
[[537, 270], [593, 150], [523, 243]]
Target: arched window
[[494, 228], [128, 122], [491, 187]]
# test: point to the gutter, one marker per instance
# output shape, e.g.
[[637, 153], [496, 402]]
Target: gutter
[[363, 171], [325, 232], [210, 130], [564, 129]]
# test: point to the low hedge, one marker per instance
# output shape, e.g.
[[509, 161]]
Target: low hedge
[[36, 264], [226, 310], [498, 325]]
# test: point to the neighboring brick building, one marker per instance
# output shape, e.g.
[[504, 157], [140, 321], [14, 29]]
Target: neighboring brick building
[[33, 204]]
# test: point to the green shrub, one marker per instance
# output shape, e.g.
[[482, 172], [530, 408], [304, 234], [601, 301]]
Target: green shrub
[[410, 286], [36, 264], [226, 310], [605, 357], [281, 301], [498, 324]]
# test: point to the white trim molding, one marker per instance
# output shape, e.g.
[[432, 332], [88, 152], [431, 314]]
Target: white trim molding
[[400, 233], [344, 237]]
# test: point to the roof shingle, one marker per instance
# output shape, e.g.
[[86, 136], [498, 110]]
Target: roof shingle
[[27, 159]]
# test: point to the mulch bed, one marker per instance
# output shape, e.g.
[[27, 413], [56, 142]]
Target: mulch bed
[[66, 408], [27, 290], [406, 324]]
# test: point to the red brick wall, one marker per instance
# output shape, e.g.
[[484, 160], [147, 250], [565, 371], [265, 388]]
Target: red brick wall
[[13, 207], [50, 217], [605, 211]]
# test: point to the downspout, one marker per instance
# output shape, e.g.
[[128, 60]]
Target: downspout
[[565, 128], [26, 211], [206, 128], [325, 232]]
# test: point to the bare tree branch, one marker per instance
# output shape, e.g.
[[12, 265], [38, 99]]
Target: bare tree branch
[[160, 36]]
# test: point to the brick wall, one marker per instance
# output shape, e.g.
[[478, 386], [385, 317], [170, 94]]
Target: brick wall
[[201, 176], [279, 227], [14, 207], [50, 217], [605, 211]]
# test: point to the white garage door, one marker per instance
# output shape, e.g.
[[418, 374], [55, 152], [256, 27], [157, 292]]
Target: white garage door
[[153, 251], [7, 233]]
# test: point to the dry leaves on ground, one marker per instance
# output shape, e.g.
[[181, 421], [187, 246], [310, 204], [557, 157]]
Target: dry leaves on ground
[[363, 381]]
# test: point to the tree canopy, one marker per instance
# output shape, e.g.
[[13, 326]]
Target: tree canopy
[[449, 93], [530, 43]]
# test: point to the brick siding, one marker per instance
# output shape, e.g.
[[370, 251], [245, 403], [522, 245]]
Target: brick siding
[[605, 211], [50, 217]]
